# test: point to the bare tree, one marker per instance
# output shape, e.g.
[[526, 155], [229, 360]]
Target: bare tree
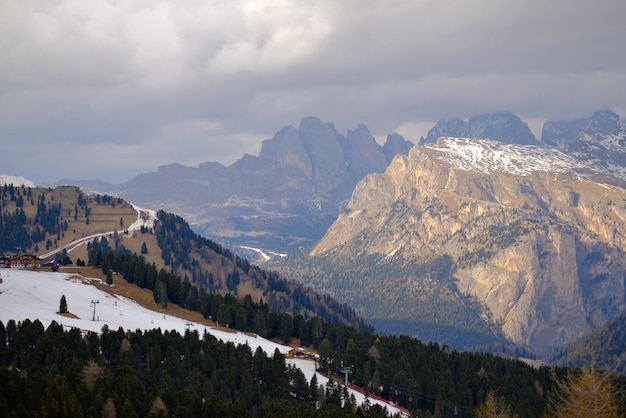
[[494, 407], [587, 392]]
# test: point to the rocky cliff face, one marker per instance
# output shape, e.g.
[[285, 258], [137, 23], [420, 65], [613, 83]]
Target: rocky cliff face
[[533, 239]]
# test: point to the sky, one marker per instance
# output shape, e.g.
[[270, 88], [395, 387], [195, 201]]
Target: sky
[[111, 89]]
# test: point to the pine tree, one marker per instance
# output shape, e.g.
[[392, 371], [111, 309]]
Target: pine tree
[[63, 305]]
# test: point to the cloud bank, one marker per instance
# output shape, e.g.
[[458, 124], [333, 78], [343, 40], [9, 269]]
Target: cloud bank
[[110, 89]]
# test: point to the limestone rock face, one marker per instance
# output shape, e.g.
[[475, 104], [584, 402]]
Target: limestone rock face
[[534, 239]]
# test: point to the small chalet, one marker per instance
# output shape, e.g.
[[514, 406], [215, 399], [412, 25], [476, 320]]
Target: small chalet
[[299, 352], [5, 262], [24, 261]]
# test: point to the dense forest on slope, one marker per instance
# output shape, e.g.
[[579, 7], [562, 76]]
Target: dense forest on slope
[[429, 379], [210, 266], [56, 372], [604, 346], [240, 313], [436, 311]]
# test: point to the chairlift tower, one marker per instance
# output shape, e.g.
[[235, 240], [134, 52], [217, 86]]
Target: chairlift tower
[[94, 303], [345, 370]]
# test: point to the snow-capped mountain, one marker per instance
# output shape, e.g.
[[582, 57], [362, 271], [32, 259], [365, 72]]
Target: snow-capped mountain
[[536, 237], [486, 156]]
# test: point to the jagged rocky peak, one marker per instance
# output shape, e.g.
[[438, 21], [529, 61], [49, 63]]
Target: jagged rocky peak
[[396, 144], [299, 178], [287, 148], [529, 235], [447, 127], [559, 133], [501, 126], [362, 152], [602, 121]]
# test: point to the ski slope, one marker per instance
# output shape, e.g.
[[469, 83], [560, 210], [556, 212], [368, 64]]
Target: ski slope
[[26, 294]]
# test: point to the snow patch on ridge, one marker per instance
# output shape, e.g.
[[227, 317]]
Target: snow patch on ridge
[[485, 156]]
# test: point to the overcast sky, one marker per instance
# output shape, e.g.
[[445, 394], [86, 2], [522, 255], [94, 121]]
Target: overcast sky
[[111, 89]]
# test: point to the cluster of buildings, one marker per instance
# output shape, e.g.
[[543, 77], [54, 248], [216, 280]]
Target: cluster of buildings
[[21, 261]]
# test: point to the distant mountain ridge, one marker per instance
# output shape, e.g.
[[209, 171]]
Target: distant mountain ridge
[[282, 199], [287, 196], [502, 126], [315, 158], [559, 133]]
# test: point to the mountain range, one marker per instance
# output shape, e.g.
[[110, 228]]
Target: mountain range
[[466, 240], [284, 198], [472, 241], [505, 126], [526, 234]]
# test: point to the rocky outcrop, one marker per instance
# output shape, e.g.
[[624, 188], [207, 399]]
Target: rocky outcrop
[[540, 246], [559, 133], [503, 126], [395, 145]]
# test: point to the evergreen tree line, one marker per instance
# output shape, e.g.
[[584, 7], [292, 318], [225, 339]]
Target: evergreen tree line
[[226, 309], [430, 380], [62, 373], [55, 372]]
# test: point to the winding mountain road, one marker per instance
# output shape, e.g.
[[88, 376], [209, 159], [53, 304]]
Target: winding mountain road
[[145, 218]]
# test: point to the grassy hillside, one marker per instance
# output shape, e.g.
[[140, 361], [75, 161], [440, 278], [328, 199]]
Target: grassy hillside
[[38, 220], [42, 220]]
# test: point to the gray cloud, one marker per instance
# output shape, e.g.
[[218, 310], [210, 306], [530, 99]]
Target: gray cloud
[[112, 89]]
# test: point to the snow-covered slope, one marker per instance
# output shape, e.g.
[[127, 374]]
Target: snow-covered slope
[[26, 294], [484, 155]]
